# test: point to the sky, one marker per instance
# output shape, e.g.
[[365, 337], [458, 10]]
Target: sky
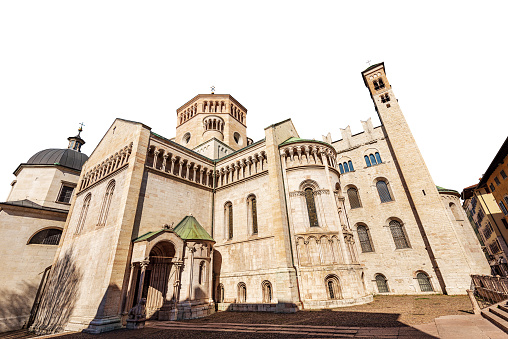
[[66, 62]]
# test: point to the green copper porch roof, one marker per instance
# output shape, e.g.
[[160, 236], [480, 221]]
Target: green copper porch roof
[[445, 190], [293, 140], [147, 235], [190, 229], [187, 229]]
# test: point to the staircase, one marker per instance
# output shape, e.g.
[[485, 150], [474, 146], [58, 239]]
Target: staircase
[[498, 315]]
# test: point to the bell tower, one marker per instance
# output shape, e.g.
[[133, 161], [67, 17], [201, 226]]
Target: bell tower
[[429, 213], [208, 116]]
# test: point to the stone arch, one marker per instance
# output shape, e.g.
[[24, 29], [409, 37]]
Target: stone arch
[[46, 236], [267, 290], [423, 281], [309, 183], [333, 288], [242, 292], [455, 211]]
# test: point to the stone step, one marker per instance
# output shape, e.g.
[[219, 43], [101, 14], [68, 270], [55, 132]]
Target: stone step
[[499, 312], [496, 320], [503, 307]]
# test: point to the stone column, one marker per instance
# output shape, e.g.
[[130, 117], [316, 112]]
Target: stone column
[[165, 157], [155, 156], [210, 277], [173, 159], [129, 289], [143, 265]]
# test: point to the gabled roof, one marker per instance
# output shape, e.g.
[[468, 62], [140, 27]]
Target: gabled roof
[[190, 229], [30, 204], [187, 229]]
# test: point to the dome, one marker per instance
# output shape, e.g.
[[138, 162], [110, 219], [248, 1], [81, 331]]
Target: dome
[[64, 157]]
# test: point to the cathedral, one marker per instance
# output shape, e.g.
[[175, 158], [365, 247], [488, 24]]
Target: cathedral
[[211, 220]]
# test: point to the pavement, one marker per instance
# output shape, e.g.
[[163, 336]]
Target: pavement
[[445, 327]]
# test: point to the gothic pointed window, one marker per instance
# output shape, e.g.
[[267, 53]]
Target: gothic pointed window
[[383, 191], [424, 282], [363, 235], [354, 199], [398, 234], [367, 161], [311, 207], [106, 203], [267, 291], [333, 287], [378, 158], [382, 284], [84, 212]]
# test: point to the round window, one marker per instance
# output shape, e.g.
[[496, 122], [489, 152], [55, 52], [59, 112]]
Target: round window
[[186, 138], [238, 138]]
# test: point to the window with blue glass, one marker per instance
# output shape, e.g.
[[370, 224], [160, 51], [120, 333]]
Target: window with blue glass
[[367, 161], [346, 167], [372, 159], [378, 158], [341, 168], [350, 163]]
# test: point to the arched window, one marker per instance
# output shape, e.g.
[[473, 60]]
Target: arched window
[[202, 276], [49, 236], [350, 163], [341, 168], [252, 217], [363, 235], [424, 282], [219, 297], [399, 237], [333, 287], [455, 211], [106, 202], [346, 167], [381, 83], [354, 199], [84, 212], [382, 190], [311, 207], [372, 159], [228, 219], [267, 291], [367, 161], [242, 292], [378, 158], [382, 284], [376, 85]]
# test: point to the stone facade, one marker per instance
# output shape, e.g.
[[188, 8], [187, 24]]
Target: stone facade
[[284, 223]]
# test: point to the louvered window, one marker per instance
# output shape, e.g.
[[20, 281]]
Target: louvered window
[[382, 285], [398, 235], [384, 193], [311, 207], [363, 235], [354, 199], [424, 282]]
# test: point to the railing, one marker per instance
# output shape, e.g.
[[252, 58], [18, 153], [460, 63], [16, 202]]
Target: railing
[[490, 290]]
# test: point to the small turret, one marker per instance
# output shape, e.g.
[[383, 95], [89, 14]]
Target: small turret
[[76, 142]]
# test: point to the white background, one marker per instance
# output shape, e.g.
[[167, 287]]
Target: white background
[[64, 62]]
